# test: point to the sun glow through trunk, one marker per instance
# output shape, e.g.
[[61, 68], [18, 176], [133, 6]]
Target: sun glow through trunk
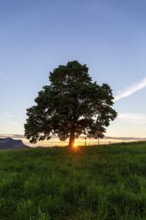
[[75, 145]]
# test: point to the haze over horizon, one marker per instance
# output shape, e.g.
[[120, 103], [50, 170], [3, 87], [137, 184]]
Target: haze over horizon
[[108, 36]]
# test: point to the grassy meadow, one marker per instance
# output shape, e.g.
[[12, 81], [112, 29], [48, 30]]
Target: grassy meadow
[[90, 183]]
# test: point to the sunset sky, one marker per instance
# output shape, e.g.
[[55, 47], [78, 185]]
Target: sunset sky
[[108, 35]]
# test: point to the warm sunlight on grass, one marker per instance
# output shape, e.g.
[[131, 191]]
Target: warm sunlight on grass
[[75, 146]]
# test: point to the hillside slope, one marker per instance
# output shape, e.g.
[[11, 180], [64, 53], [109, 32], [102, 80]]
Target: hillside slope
[[9, 143]]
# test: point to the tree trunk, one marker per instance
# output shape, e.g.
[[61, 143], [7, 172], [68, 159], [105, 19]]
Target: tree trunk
[[71, 139]]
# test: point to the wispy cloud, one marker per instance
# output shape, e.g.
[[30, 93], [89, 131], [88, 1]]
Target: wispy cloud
[[133, 116], [130, 90], [17, 136]]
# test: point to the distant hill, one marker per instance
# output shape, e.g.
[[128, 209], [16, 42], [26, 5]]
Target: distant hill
[[9, 143]]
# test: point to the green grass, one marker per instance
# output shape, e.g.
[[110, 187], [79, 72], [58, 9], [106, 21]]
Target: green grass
[[93, 183]]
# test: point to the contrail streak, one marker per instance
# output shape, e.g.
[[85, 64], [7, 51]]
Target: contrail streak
[[130, 90]]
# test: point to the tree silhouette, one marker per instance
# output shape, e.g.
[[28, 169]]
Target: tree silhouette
[[70, 106]]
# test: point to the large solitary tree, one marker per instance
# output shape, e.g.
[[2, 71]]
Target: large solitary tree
[[70, 106]]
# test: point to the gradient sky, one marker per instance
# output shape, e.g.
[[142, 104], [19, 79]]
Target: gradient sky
[[108, 35]]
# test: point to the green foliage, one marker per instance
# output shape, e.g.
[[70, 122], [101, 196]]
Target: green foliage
[[99, 183], [70, 106]]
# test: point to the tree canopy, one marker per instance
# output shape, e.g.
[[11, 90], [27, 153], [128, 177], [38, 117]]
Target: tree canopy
[[70, 106]]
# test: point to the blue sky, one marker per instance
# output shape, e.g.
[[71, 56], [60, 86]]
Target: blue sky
[[108, 35]]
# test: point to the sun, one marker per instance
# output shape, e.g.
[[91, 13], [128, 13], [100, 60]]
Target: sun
[[75, 145]]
